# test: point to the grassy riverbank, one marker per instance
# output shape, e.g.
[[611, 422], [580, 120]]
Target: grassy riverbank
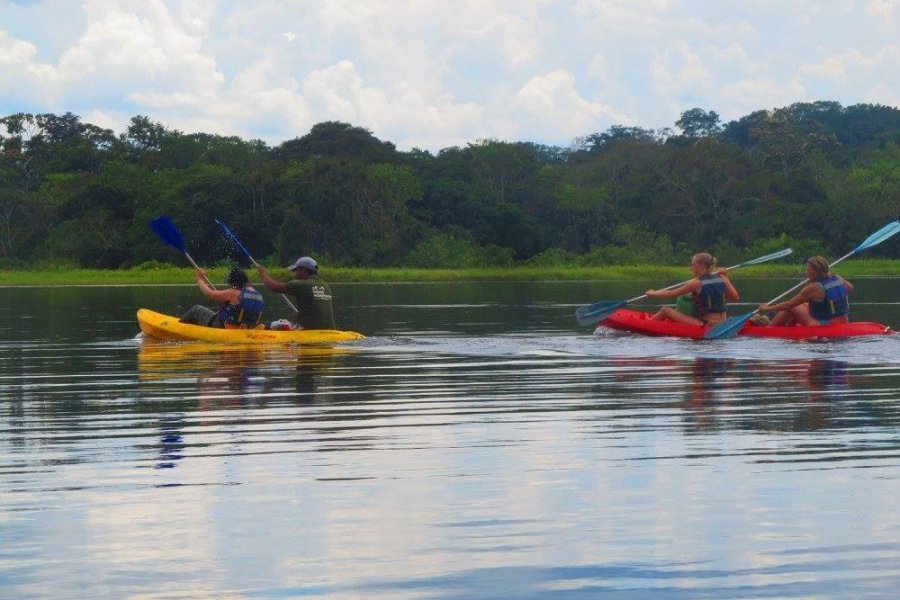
[[177, 275]]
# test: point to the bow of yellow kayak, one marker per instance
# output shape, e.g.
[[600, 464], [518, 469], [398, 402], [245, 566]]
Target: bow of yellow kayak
[[167, 327]]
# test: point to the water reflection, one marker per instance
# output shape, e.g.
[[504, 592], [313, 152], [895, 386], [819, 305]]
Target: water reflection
[[171, 442], [211, 393], [724, 393], [487, 462], [230, 376]]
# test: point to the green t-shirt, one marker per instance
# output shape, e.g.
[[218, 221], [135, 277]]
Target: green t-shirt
[[313, 302]]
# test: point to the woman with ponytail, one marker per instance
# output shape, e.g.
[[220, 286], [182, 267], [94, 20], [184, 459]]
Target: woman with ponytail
[[709, 291]]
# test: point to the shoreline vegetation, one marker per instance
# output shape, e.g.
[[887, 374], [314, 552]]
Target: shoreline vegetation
[[169, 275]]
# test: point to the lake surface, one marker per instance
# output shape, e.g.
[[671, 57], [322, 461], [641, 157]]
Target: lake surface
[[478, 444]]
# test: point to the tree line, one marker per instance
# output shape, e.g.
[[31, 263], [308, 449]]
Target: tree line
[[817, 176]]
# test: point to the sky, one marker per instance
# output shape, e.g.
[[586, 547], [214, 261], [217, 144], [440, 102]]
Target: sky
[[432, 74]]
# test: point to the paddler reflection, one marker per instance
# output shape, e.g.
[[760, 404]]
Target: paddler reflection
[[827, 382], [713, 386]]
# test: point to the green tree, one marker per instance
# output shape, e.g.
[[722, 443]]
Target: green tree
[[338, 140], [697, 123]]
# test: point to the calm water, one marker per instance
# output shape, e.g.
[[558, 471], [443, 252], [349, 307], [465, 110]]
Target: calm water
[[477, 445]]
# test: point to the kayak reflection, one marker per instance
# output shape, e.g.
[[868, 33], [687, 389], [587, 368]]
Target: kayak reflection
[[725, 393], [234, 367]]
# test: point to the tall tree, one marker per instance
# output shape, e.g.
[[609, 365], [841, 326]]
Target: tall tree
[[697, 123]]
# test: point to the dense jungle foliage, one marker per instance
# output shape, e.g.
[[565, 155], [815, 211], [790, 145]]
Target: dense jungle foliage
[[816, 176]]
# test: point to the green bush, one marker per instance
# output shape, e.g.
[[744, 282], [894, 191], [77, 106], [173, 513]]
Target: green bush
[[638, 245], [7, 262], [803, 248], [448, 252], [554, 257], [152, 265]]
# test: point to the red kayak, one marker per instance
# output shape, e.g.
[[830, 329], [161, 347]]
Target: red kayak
[[636, 321]]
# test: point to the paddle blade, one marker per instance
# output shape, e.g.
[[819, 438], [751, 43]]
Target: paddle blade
[[167, 232], [233, 238], [728, 328], [592, 313], [767, 257], [879, 236]]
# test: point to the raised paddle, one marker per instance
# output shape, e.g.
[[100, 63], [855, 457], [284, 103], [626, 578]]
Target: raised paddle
[[592, 313], [230, 234], [730, 327], [167, 232]]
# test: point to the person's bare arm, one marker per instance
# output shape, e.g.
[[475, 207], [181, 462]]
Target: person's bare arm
[[810, 292], [272, 284], [847, 284], [730, 291], [691, 286], [220, 296]]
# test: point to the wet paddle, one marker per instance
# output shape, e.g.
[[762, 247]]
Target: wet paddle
[[730, 327], [230, 234], [591, 314], [168, 232]]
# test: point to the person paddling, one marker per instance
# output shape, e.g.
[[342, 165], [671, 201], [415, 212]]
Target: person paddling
[[241, 305], [709, 290], [314, 306], [822, 301]]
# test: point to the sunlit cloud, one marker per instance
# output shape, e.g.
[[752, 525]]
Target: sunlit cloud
[[434, 75]]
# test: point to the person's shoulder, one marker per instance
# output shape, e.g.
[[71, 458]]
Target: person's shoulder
[[813, 287], [297, 284]]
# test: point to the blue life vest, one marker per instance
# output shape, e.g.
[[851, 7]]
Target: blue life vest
[[248, 311], [835, 303], [711, 298]]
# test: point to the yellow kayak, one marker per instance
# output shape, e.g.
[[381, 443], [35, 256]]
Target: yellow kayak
[[166, 327]]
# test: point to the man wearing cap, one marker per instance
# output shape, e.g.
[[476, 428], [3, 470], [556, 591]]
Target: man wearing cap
[[314, 308]]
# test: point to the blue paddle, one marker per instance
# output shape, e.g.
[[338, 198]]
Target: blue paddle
[[230, 234], [167, 232], [730, 327], [591, 314]]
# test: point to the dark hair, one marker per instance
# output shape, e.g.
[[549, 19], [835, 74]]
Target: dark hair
[[237, 278]]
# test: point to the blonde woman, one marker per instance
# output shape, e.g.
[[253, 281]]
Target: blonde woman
[[822, 301], [710, 289]]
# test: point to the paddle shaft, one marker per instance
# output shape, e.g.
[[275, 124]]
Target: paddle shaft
[[286, 299], [768, 257], [246, 252], [672, 287], [193, 264], [675, 285]]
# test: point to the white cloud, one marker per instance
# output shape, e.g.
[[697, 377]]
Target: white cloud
[[551, 105], [428, 74], [21, 74], [15, 53], [138, 44]]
